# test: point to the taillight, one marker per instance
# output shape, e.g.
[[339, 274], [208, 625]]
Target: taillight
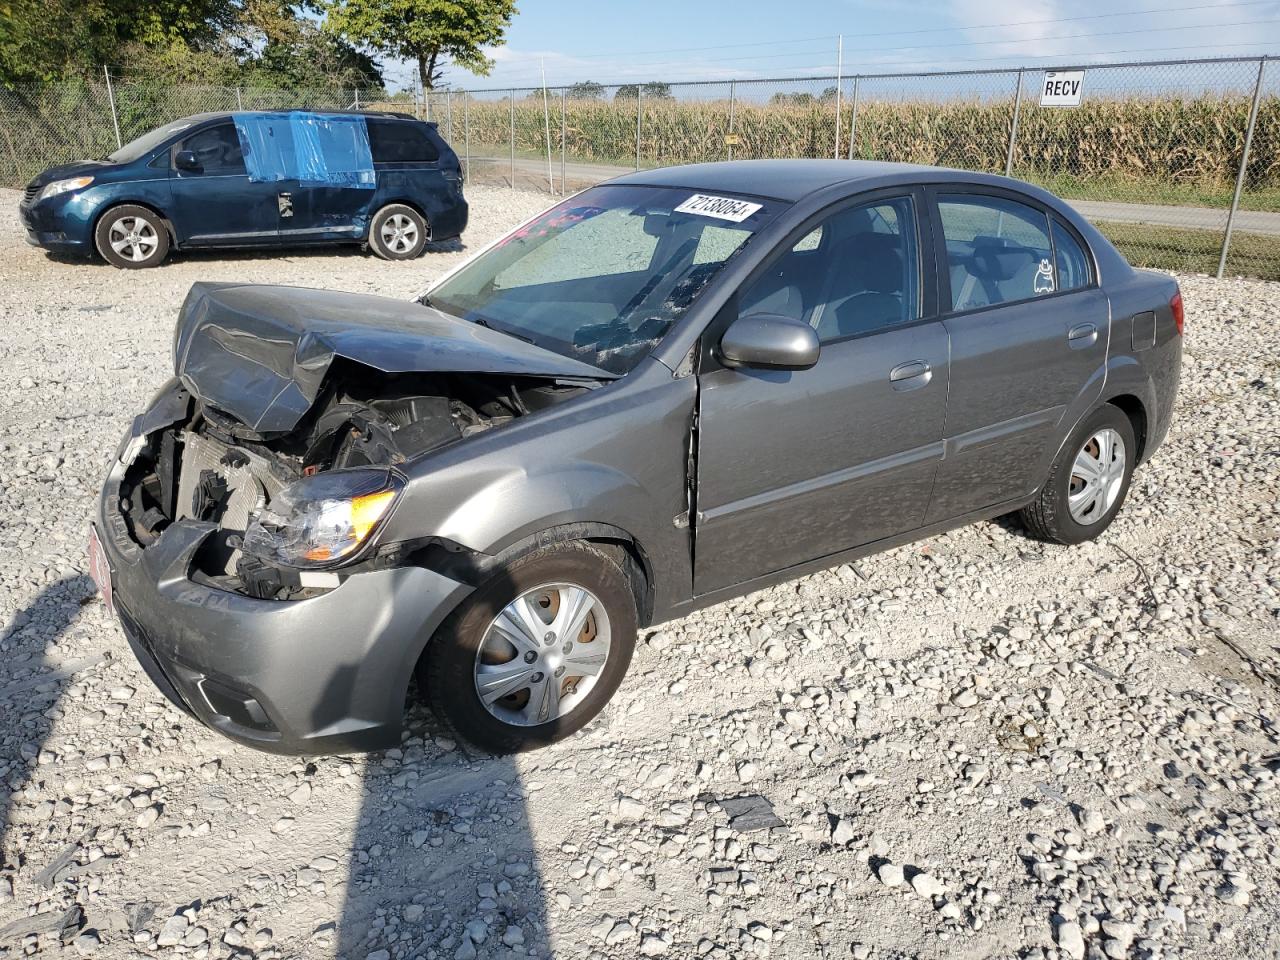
[[1179, 315]]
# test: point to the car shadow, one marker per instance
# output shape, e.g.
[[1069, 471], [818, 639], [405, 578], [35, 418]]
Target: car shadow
[[443, 860], [34, 682], [257, 254]]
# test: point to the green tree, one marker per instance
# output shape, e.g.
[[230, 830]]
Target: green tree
[[52, 39], [653, 90], [432, 33], [585, 90]]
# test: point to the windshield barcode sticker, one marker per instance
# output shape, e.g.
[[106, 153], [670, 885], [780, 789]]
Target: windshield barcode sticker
[[722, 208]]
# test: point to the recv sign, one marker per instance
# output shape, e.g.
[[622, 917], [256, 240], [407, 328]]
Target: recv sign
[[1062, 88]]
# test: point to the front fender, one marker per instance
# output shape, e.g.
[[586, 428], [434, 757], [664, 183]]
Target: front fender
[[619, 459]]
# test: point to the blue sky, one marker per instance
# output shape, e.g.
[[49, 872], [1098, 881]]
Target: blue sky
[[742, 39]]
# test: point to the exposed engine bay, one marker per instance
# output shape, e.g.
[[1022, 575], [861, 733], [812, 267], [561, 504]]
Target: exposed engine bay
[[211, 467]]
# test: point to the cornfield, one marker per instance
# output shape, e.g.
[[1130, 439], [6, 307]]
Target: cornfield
[[1174, 141]]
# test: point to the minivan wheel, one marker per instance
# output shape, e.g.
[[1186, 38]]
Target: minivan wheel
[[535, 652], [131, 237], [398, 232], [1088, 481]]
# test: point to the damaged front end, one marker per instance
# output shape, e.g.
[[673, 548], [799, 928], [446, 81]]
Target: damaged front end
[[292, 419]]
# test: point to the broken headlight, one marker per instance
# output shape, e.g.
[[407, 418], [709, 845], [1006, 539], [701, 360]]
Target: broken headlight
[[321, 519]]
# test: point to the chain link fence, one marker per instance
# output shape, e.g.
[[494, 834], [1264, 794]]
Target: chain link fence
[[1177, 162]]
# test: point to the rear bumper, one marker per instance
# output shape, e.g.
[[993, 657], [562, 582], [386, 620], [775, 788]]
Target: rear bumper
[[450, 222], [327, 674]]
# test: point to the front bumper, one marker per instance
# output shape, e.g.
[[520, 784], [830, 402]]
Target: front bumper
[[327, 674], [45, 225]]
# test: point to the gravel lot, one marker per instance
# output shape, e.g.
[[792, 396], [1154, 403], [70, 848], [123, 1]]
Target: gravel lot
[[975, 746]]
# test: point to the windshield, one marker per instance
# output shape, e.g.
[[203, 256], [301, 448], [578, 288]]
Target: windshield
[[136, 149], [604, 275]]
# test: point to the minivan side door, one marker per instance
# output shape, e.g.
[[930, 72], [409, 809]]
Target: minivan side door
[[797, 465], [216, 204], [1029, 331]]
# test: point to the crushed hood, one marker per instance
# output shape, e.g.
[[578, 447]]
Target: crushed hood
[[260, 353]]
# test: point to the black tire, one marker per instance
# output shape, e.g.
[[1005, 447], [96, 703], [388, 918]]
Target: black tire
[[447, 671], [398, 232], [131, 237], [1049, 515]]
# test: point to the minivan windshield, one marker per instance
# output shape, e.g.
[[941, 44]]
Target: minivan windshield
[[136, 149], [604, 275]]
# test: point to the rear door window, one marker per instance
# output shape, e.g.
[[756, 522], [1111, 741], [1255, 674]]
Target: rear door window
[[998, 250], [1069, 258], [401, 141]]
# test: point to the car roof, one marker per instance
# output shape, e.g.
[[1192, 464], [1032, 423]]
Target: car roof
[[387, 114], [792, 180]]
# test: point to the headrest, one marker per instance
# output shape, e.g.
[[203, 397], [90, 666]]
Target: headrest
[[996, 258]]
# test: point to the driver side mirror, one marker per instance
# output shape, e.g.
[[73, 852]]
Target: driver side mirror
[[186, 160], [770, 340]]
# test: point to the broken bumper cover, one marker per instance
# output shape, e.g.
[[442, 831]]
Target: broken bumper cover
[[327, 674]]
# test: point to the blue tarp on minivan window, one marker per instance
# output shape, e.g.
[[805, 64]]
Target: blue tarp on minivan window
[[328, 148]]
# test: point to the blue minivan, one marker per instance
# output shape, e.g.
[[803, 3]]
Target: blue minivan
[[387, 180]]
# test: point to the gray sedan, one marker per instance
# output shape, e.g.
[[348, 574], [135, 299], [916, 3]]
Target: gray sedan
[[671, 389]]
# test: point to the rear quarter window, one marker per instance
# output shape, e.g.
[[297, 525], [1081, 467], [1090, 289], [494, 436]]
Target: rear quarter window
[[401, 141]]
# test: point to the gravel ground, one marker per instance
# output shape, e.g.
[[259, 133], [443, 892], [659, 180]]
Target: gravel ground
[[974, 746]]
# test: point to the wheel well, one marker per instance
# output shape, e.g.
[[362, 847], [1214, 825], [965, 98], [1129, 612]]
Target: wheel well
[[1132, 408], [403, 202], [173, 240], [465, 565]]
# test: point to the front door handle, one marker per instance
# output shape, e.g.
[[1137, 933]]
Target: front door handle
[[1082, 335], [911, 375]]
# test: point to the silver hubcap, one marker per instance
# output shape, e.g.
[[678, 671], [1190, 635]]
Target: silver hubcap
[[1096, 477], [133, 238], [542, 655], [399, 233]]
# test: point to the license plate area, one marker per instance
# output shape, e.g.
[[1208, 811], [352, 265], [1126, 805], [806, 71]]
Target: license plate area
[[100, 570]]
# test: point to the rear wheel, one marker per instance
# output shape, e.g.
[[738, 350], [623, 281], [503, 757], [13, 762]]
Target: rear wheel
[[132, 237], [1088, 481], [398, 232], [536, 652]]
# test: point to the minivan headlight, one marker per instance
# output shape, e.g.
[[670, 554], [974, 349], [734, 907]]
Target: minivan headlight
[[318, 520], [63, 186]]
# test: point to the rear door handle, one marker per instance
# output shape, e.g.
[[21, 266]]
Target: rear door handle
[[1082, 335], [911, 375]]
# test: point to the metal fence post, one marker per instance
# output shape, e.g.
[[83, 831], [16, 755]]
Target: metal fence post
[[1244, 164], [1013, 130], [111, 99], [448, 111], [732, 96], [513, 138], [466, 135], [546, 122], [638, 116], [853, 116], [563, 136], [357, 93], [239, 104], [835, 153]]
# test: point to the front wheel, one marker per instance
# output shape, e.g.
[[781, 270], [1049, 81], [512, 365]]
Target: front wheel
[[132, 237], [536, 652], [1088, 480], [398, 232]]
